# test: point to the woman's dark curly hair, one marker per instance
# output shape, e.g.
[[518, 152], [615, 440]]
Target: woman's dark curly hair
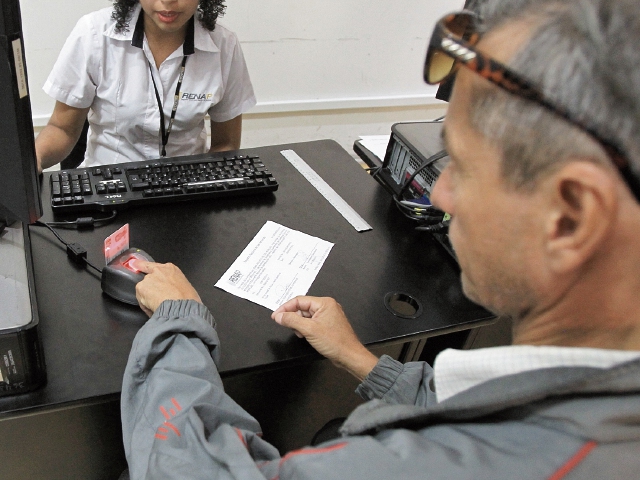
[[207, 13]]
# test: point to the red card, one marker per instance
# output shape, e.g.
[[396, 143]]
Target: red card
[[116, 243]]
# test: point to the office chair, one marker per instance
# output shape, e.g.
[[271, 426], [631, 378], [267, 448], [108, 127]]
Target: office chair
[[76, 156]]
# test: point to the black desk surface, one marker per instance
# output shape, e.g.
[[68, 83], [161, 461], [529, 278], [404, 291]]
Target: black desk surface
[[87, 335]]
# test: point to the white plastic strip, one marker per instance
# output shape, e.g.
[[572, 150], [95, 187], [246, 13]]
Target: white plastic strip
[[327, 192]]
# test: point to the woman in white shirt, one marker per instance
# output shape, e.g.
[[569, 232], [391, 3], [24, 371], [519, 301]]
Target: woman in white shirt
[[146, 73]]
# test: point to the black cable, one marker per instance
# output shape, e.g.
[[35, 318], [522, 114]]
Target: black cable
[[99, 270], [429, 217], [439, 119], [440, 227], [44, 224], [85, 223], [374, 171], [75, 251], [432, 159], [418, 212]]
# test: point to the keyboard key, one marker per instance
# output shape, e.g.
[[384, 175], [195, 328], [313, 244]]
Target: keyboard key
[[140, 186]]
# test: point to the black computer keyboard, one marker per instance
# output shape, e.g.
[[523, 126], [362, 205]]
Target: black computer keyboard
[[113, 187]]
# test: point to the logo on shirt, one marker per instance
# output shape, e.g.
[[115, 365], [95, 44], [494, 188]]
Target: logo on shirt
[[196, 97]]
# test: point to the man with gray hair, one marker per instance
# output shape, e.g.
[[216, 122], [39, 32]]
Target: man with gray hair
[[543, 188]]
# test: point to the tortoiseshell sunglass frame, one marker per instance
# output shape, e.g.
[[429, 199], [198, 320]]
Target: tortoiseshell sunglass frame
[[460, 48]]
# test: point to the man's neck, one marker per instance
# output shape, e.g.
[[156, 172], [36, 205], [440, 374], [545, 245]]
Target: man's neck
[[604, 313]]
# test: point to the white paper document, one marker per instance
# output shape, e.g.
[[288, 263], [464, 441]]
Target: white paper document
[[376, 144], [277, 265]]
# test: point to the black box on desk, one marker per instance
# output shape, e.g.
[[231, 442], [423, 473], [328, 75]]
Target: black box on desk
[[22, 366], [410, 146]]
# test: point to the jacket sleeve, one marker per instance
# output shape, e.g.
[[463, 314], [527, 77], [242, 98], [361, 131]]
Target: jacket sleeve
[[397, 383], [177, 421]]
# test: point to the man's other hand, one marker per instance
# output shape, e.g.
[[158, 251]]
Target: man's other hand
[[323, 323], [164, 281]]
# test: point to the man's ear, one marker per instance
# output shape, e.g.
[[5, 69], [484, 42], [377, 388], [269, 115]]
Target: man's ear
[[582, 211]]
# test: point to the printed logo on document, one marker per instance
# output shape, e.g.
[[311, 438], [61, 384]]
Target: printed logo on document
[[235, 277]]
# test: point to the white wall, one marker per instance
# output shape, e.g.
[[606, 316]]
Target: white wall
[[330, 69]]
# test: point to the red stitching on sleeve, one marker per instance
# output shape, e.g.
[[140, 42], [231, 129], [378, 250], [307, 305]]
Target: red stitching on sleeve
[[312, 451], [164, 413], [573, 461], [241, 437], [173, 427], [309, 451]]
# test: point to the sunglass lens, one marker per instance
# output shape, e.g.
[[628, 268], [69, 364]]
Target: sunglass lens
[[439, 64], [439, 67]]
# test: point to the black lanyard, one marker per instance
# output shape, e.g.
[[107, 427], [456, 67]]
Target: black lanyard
[[176, 98]]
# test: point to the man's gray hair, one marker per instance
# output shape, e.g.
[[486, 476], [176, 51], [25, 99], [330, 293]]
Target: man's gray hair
[[585, 55]]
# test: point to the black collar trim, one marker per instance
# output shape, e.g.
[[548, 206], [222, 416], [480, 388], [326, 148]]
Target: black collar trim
[[188, 47]]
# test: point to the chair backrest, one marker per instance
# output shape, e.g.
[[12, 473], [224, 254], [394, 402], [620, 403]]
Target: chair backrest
[[76, 156]]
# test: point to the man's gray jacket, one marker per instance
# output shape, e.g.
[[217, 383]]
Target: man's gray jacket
[[552, 423]]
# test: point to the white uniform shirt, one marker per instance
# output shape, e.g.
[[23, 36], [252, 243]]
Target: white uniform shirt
[[102, 69]]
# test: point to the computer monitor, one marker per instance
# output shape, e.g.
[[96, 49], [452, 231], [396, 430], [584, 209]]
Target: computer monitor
[[19, 183], [23, 367]]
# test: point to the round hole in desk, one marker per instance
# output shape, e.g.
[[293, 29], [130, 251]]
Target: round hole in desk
[[403, 305]]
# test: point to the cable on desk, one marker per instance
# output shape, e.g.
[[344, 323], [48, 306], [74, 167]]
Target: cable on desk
[[85, 223], [426, 215], [440, 227], [432, 159], [75, 251], [439, 119], [373, 171]]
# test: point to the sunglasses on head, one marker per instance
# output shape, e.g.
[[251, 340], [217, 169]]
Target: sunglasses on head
[[453, 44]]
